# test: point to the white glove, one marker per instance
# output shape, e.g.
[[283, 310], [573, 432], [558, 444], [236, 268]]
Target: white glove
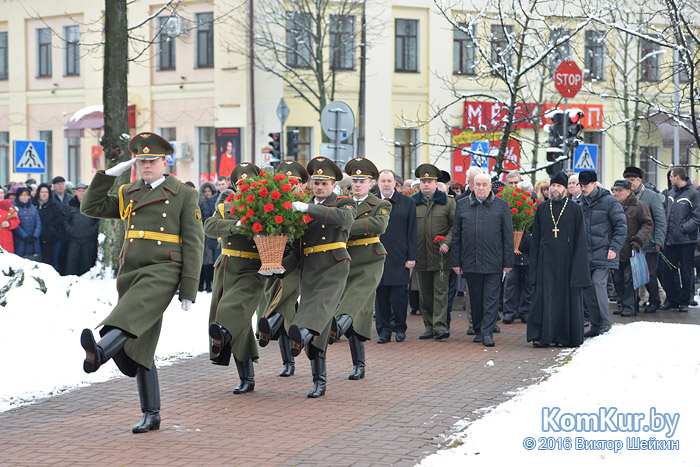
[[299, 206], [120, 168], [186, 304], [235, 227]]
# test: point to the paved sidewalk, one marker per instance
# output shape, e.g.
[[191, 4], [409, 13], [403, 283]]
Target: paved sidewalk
[[412, 396]]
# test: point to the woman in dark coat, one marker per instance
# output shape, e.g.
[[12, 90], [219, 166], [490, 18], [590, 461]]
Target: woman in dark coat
[[28, 231], [207, 204], [51, 217]]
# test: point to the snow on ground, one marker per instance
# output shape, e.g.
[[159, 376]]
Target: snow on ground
[[650, 369], [40, 331]]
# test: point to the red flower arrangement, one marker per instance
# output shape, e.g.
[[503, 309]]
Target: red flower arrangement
[[520, 204]]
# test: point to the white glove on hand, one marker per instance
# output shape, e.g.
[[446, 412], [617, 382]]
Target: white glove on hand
[[234, 228], [120, 168], [299, 206], [186, 304]]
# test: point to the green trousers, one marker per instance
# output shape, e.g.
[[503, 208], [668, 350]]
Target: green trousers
[[433, 299]]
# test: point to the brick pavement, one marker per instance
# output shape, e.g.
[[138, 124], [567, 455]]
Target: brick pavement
[[411, 398]]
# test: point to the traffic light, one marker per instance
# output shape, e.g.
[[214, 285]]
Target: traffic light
[[293, 144], [275, 143], [555, 139], [574, 126]]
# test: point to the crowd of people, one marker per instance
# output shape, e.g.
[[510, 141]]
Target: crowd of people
[[43, 222]]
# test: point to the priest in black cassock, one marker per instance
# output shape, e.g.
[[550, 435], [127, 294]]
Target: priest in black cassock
[[559, 264]]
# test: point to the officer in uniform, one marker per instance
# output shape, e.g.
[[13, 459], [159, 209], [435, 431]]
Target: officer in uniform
[[324, 262], [354, 315], [237, 289], [280, 298], [162, 253]]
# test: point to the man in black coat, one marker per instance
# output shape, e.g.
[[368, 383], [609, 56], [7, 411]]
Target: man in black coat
[[82, 235], [60, 247], [401, 243]]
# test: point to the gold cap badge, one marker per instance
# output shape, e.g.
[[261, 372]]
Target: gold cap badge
[[145, 150], [319, 171]]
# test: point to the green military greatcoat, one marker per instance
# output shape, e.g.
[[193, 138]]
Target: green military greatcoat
[[237, 287], [367, 264], [162, 252], [281, 296], [323, 273]]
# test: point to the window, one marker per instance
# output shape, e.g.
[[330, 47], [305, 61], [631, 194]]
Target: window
[[43, 66], [649, 63], [405, 151], [4, 157], [47, 136], [562, 51], [305, 142], [169, 134], [205, 40], [166, 47], [299, 40], [464, 50], [73, 153], [648, 165], [72, 53], [3, 55], [406, 45], [206, 153], [342, 42], [594, 61], [501, 51]]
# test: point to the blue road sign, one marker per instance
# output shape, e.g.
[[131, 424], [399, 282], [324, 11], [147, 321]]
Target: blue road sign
[[170, 158], [30, 157], [586, 158], [480, 149]]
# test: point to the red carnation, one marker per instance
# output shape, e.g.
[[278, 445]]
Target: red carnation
[[254, 185], [263, 181], [242, 207], [528, 193], [262, 192], [287, 205], [535, 208], [257, 227], [439, 238], [238, 196], [233, 210], [537, 201], [499, 195], [264, 172], [501, 188], [286, 187], [240, 181], [250, 213], [229, 198], [528, 212], [514, 211], [275, 194], [243, 219], [523, 197], [250, 198], [518, 203], [244, 188], [518, 189], [514, 194], [530, 203], [268, 207], [279, 219], [293, 181], [279, 177], [306, 219]]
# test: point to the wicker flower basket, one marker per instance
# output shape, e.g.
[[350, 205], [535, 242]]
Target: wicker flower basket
[[517, 236], [271, 249]]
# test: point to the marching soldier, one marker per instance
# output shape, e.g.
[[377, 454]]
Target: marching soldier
[[354, 315], [162, 252], [280, 299], [237, 289], [324, 262]]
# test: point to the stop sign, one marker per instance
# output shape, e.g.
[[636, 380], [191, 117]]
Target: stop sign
[[568, 79]]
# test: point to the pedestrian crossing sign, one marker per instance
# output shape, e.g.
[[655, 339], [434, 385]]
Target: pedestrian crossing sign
[[586, 158], [480, 149], [30, 157]]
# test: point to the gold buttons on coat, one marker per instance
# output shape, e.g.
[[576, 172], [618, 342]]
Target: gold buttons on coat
[[165, 214], [131, 240], [142, 234], [167, 201], [229, 243], [323, 238], [323, 226], [159, 242], [132, 226]]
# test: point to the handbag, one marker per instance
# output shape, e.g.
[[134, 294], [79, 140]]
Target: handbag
[[640, 269]]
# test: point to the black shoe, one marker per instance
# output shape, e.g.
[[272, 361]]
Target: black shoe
[[508, 320], [538, 344], [627, 313], [400, 336], [693, 302], [220, 337], [496, 329], [287, 359], [149, 396], [471, 331], [149, 421], [383, 340], [488, 341], [617, 312], [441, 335], [97, 353], [357, 352], [586, 323], [209, 289], [523, 319], [478, 339], [200, 289], [318, 370], [426, 335], [299, 337], [247, 376], [668, 306], [683, 308], [594, 331], [269, 327], [413, 311], [651, 308]]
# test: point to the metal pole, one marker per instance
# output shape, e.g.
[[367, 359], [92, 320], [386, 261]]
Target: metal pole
[[282, 141], [337, 135], [565, 121], [676, 106]]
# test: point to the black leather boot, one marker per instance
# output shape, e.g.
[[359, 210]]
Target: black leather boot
[[149, 395], [220, 337], [286, 351], [357, 352], [97, 353], [318, 370], [269, 327], [247, 375], [300, 338], [343, 323]]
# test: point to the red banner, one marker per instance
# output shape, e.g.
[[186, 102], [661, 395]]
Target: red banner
[[490, 116], [462, 157]]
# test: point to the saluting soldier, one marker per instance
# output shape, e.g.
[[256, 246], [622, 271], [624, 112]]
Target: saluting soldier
[[354, 315], [280, 299], [162, 252], [324, 261], [237, 289]]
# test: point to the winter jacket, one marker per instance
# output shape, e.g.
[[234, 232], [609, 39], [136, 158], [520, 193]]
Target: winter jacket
[[61, 235], [9, 214], [683, 215], [51, 216], [207, 207], [78, 226], [606, 228], [434, 217], [639, 225], [482, 236], [29, 227], [658, 215]]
